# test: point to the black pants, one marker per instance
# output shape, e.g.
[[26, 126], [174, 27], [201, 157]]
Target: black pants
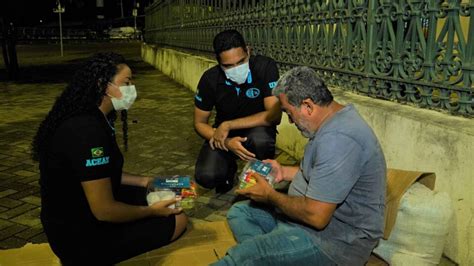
[[104, 243], [215, 167]]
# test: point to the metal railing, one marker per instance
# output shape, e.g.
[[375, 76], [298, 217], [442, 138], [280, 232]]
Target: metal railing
[[409, 51]]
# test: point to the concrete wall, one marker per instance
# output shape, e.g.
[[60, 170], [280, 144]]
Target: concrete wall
[[412, 139]]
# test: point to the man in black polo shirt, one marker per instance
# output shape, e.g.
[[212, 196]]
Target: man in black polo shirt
[[240, 89]]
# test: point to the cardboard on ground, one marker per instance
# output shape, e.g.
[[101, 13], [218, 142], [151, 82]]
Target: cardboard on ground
[[202, 244]]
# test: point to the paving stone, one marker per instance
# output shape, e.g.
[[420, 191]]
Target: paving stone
[[24, 173], [30, 179], [12, 230], [34, 183], [18, 186], [203, 212], [5, 175], [30, 232], [10, 163], [4, 224], [157, 170], [6, 182], [204, 200], [25, 193], [32, 200], [216, 203], [12, 242], [9, 203], [41, 238], [226, 197], [7, 192], [147, 155], [180, 167], [18, 167], [180, 153], [29, 218], [17, 211]]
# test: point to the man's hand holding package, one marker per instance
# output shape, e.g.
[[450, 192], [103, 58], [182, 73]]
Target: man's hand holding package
[[259, 192]]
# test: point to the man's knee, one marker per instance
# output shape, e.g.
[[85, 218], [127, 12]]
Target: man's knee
[[205, 178], [263, 147], [261, 142], [261, 138], [239, 209]]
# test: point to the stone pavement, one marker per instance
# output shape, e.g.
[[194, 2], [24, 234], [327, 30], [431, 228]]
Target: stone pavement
[[162, 140]]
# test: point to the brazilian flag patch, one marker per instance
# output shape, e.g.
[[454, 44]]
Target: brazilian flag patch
[[97, 152]]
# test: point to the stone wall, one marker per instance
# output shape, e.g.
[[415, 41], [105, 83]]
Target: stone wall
[[412, 139]]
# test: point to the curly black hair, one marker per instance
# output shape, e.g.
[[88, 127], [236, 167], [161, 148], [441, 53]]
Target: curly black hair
[[82, 95]]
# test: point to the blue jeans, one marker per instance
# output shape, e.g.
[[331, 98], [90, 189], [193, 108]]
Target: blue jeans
[[266, 239]]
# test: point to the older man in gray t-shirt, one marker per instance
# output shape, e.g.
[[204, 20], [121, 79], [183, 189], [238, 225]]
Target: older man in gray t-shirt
[[334, 210], [344, 164]]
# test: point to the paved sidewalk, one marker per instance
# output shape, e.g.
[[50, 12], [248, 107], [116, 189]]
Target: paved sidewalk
[[162, 140]]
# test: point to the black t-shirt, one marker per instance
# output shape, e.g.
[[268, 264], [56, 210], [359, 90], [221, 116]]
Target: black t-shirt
[[232, 100], [83, 148]]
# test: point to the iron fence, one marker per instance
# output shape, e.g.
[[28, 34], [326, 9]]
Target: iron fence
[[409, 51]]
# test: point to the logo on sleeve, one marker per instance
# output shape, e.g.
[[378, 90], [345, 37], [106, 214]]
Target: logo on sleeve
[[197, 97], [98, 157], [252, 93], [272, 85], [97, 152]]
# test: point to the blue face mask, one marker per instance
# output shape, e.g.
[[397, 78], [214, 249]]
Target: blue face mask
[[238, 74]]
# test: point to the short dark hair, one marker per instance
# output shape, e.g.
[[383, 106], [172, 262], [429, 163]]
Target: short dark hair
[[302, 83], [226, 40]]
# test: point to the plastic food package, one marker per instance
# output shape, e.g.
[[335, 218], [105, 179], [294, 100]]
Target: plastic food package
[[179, 187], [252, 168]]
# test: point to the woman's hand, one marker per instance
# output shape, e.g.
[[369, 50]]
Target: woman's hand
[[147, 180], [162, 208]]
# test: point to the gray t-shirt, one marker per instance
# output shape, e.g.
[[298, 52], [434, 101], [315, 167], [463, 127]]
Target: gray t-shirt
[[344, 164]]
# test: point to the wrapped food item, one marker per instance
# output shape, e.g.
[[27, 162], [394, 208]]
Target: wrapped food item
[[251, 169], [160, 195], [180, 187]]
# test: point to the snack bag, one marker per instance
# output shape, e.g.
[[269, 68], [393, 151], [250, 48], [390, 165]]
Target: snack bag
[[179, 187], [253, 168]]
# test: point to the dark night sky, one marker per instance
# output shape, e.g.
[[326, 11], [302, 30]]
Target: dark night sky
[[30, 12]]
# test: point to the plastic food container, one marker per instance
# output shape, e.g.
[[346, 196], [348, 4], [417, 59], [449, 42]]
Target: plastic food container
[[253, 168], [179, 187]]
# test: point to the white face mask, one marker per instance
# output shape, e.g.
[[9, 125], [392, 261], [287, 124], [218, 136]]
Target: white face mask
[[238, 74], [129, 94]]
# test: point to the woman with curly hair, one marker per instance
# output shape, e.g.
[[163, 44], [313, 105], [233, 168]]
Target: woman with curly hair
[[87, 215]]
